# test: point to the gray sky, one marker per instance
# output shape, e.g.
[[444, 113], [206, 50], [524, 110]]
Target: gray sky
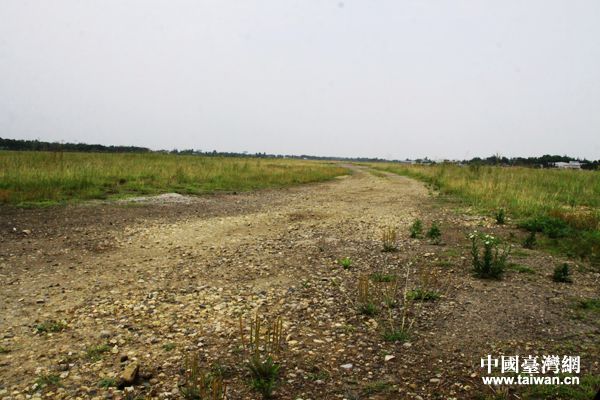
[[392, 79]]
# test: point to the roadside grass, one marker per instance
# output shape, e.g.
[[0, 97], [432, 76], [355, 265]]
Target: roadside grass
[[564, 205], [47, 178], [587, 389]]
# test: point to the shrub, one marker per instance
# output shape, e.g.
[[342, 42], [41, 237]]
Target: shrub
[[434, 233], [389, 239], [500, 216], [416, 229], [562, 274], [530, 240], [345, 262], [492, 263]]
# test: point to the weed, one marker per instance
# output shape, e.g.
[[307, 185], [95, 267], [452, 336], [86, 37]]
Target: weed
[[395, 335], [50, 327], [550, 226], [590, 304], [422, 295], [587, 389], [265, 374], [366, 303], [199, 384], [530, 240], [388, 239], [345, 262], [368, 309], [493, 263], [169, 346], [434, 233], [562, 273], [522, 269], [500, 216], [4, 350], [416, 229], [377, 387], [265, 337], [48, 380], [263, 344], [381, 277], [107, 383], [95, 353]]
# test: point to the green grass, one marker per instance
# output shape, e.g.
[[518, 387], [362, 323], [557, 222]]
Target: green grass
[[395, 335], [522, 269], [50, 327], [381, 277], [422, 295], [562, 204], [586, 390], [45, 178], [590, 305], [95, 353], [107, 383], [48, 380]]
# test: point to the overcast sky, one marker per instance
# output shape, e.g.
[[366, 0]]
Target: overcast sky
[[394, 79]]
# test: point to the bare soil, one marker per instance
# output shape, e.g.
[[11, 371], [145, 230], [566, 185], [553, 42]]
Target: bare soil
[[159, 281]]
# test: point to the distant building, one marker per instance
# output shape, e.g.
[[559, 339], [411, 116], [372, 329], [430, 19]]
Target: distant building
[[568, 165]]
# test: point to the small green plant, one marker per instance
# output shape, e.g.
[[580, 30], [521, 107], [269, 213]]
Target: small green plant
[[395, 335], [530, 240], [416, 229], [366, 304], [169, 346], [265, 374], [590, 304], [500, 216], [50, 327], [4, 350], [562, 273], [345, 262], [95, 353], [263, 345], [422, 295], [107, 383], [522, 269], [377, 387], [48, 380], [388, 239], [493, 262], [434, 233], [200, 384]]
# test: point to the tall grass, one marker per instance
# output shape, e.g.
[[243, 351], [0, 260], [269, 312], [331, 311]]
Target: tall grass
[[37, 177], [525, 193]]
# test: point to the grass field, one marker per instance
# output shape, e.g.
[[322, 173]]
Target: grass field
[[52, 177], [563, 204]]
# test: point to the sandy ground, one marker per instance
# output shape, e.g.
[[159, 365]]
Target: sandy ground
[[153, 282]]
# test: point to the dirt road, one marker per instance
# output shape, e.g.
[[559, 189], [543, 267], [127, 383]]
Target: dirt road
[[87, 290]]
